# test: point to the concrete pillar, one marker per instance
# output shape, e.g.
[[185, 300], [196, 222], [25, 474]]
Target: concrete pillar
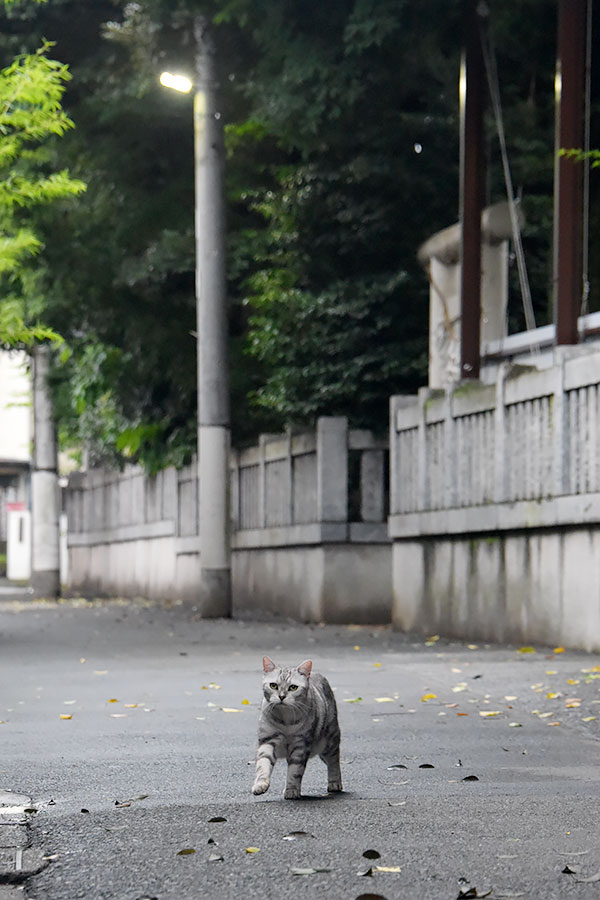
[[45, 491], [332, 469], [372, 486]]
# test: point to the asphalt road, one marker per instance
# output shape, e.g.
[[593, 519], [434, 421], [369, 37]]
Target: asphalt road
[[160, 739]]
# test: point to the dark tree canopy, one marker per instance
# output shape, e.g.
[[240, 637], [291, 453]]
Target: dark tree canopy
[[342, 157]]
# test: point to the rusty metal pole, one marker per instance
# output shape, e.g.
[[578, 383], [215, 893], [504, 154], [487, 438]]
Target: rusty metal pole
[[472, 173], [568, 187]]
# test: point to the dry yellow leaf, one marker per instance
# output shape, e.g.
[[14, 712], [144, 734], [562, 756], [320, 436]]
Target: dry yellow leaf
[[488, 713], [387, 699], [130, 705], [377, 665], [387, 868], [553, 695], [83, 659], [427, 697], [245, 702], [65, 716], [553, 723], [588, 718], [230, 709], [559, 649], [252, 849], [551, 672], [459, 687], [472, 647], [511, 698], [573, 705], [545, 715], [356, 647], [526, 649], [572, 680], [113, 700]]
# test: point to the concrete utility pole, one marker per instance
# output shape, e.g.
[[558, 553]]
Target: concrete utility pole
[[45, 497], [214, 439]]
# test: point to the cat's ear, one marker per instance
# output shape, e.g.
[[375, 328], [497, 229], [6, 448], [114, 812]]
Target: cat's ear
[[305, 668], [268, 665]]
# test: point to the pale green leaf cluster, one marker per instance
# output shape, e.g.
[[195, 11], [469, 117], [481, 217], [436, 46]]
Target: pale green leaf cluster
[[31, 89]]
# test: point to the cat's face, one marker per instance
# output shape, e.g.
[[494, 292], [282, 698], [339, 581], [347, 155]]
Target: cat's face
[[285, 684]]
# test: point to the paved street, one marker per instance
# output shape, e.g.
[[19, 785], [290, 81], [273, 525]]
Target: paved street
[[132, 726]]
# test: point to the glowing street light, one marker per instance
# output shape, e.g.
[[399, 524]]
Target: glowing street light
[[176, 82]]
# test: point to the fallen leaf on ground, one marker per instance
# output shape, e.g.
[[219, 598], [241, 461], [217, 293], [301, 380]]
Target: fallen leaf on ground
[[397, 766], [252, 849], [112, 700], [230, 709], [426, 697], [568, 871], [470, 778], [69, 702], [118, 715], [356, 647], [426, 766], [218, 819], [371, 897], [216, 857], [553, 723], [559, 649], [130, 705], [187, 851], [590, 880], [65, 716], [377, 665], [488, 713], [526, 650], [245, 702], [313, 870], [388, 869], [588, 718], [368, 873], [514, 725], [572, 680], [295, 835], [384, 699], [372, 854], [553, 695], [353, 700]]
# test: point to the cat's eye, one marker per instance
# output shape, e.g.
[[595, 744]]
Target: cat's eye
[[274, 685], [293, 687]]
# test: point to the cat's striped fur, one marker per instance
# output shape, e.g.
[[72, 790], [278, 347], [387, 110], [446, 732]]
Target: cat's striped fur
[[298, 720]]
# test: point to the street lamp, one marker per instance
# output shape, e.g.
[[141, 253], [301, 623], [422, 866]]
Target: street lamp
[[214, 439]]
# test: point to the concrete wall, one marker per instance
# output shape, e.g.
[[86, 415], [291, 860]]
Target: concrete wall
[[537, 587], [295, 551], [495, 506]]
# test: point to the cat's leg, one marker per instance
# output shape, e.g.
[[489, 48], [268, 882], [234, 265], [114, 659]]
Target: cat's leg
[[297, 758], [265, 760], [331, 758]]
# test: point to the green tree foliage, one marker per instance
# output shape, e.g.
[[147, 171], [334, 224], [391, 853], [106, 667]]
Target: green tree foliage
[[31, 88], [342, 157]]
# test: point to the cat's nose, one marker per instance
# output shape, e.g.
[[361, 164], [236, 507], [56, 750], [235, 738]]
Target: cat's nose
[[281, 696]]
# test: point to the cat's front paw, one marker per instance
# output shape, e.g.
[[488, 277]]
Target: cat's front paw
[[292, 793], [334, 787], [260, 786]]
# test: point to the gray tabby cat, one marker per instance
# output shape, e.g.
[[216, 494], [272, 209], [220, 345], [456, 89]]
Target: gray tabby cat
[[298, 720]]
